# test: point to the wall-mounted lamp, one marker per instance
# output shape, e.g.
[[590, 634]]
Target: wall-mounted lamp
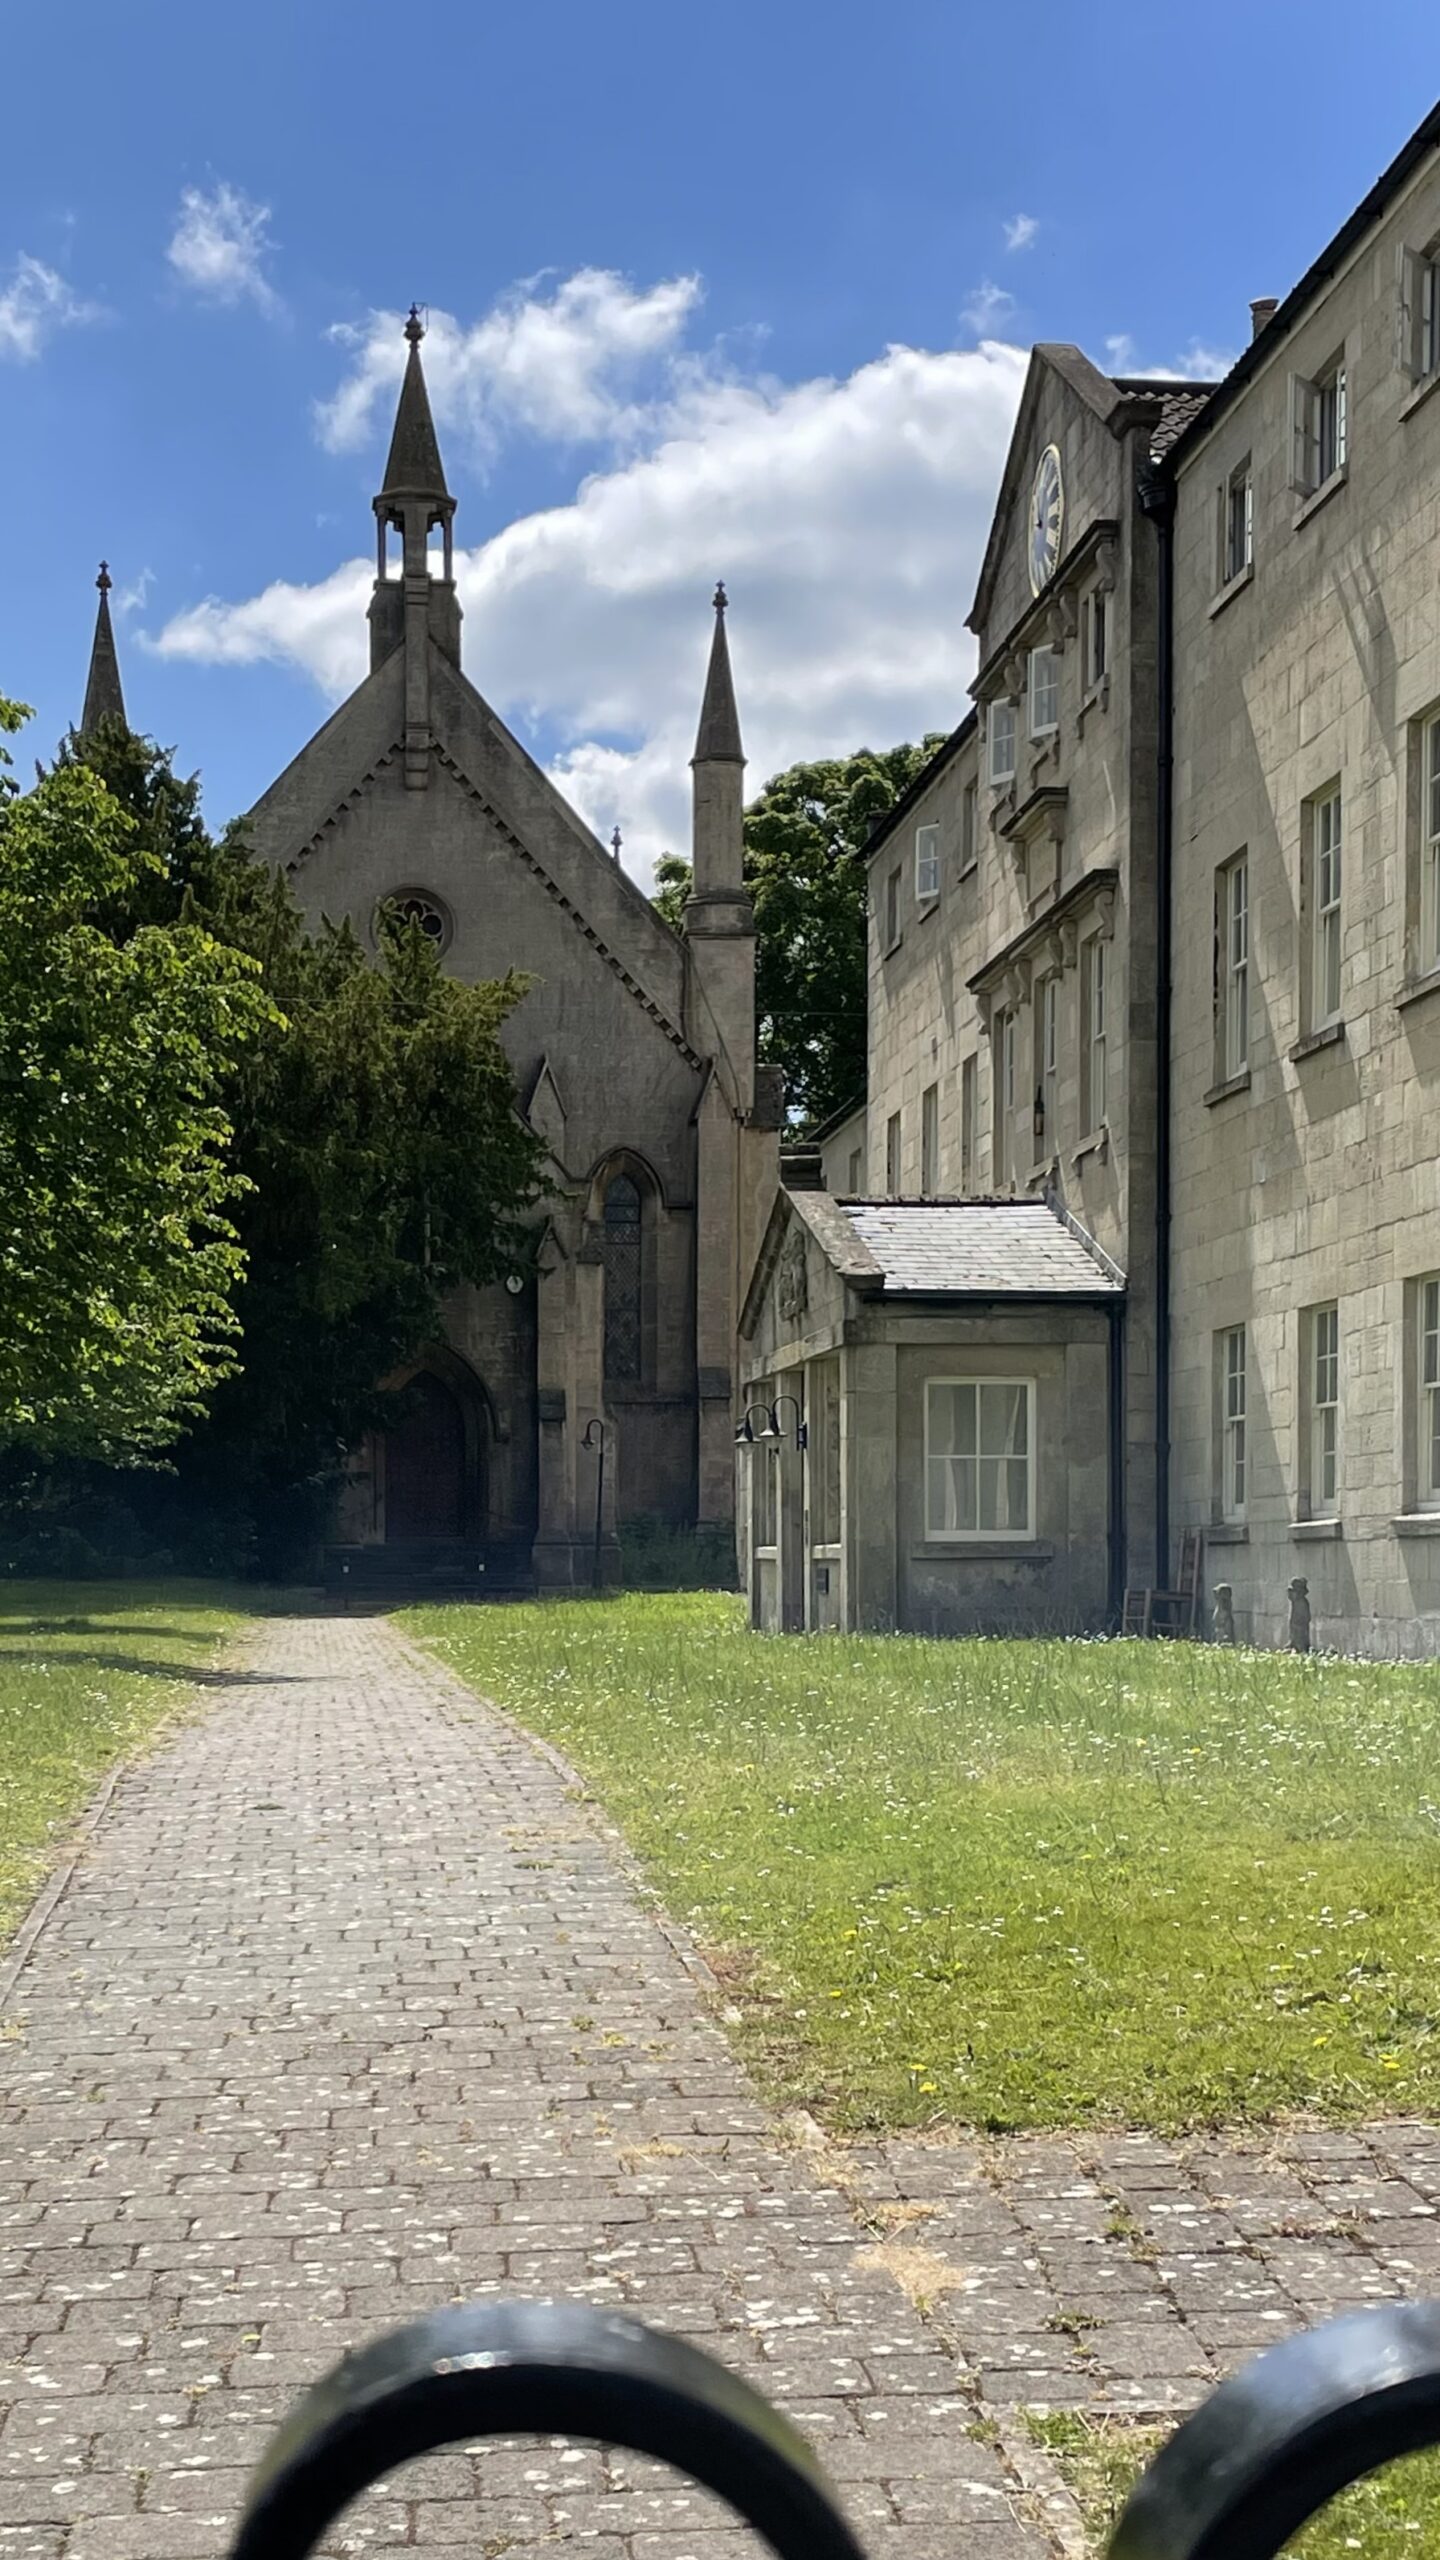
[[802, 1428], [770, 1424]]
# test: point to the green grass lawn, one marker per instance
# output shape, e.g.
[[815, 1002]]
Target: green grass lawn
[[1015, 1884], [88, 1670], [1381, 2517]]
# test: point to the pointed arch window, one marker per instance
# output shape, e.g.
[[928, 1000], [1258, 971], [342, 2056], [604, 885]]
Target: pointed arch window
[[624, 1277]]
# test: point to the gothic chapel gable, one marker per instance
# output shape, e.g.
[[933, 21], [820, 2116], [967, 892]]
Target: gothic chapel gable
[[634, 1056]]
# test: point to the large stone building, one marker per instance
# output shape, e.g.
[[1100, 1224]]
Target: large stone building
[[634, 1055], [1154, 946]]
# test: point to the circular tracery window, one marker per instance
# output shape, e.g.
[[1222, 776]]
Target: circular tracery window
[[416, 906]]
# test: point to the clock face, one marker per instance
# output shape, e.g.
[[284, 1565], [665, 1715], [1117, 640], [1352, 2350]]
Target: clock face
[[1047, 519]]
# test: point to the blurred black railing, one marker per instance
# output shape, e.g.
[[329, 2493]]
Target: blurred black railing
[[1262, 2455]]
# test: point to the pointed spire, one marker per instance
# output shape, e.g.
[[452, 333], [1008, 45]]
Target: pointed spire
[[718, 739], [414, 469], [103, 697]]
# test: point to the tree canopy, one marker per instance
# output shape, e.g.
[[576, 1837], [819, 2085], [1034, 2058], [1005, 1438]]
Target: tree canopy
[[360, 1212], [805, 868], [119, 1257]]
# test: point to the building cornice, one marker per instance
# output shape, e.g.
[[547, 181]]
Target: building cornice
[[1052, 618], [1094, 887]]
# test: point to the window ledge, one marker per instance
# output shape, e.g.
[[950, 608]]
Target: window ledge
[[1231, 589], [1228, 1533], [1308, 1531], [889, 949], [1416, 1524], [927, 906], [1222, 1091], [1420, 395], [1097, 1144], [1317, 498], [968, 869], [983, 1551], [1426, 984], [1332, 1033], [1097, 698]]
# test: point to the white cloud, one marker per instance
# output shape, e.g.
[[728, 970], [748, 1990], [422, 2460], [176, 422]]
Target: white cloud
[[1020, 231], [847, 517], [37, 301], [582, 362], [1198, 363], [220, 245], [133, 598], [984, 309]]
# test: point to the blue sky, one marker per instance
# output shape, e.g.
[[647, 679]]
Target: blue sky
[[712, 293]]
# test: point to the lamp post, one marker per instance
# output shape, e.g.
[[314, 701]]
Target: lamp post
[[596, 1436]]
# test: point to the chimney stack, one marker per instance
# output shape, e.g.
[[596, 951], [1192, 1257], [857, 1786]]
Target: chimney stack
[[1262, 311]]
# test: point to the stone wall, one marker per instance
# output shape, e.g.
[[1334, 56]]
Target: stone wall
[[1313, 1176]]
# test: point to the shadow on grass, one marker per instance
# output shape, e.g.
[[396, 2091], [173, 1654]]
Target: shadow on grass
[[95, 1627], [189, 1675]]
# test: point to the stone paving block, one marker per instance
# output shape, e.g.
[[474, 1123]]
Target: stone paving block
[[349, 2011]]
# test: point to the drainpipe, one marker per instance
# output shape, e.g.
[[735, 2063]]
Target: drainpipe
[[1156, 491], [1115, 1418]]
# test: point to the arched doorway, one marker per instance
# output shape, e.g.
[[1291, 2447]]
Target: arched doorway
[[433, 1481]]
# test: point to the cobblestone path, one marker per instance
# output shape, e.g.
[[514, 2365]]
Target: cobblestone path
[[349, 2009]]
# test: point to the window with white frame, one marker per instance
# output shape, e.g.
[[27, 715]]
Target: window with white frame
[[927, 864], [1003, 1078], [1427, 1381], [1230, 1350], [1417, 322], [1094, 1001], [1325, 908], [892, 1156], [969, 828], [930, 1141], [1320, 1407], [969, 1074], [822, 1455], [1232, 987], [892, 909], [1044, 693], [1319, 426], [1429, 903], [1000, 735], [1097, 637], [1047, 1059], [1237, 523], [979, 1458], [762, 1454]]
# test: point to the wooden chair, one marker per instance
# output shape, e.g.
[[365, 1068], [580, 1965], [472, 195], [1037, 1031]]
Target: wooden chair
[[1146, 1612]]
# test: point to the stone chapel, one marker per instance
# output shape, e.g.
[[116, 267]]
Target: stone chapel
[[634, 1059]]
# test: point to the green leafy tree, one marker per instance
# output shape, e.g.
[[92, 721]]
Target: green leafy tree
[[805, 868], [365, 1206], [118, 1258]]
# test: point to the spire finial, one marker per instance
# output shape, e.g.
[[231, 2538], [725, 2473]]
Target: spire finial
[[103, 697], [616, 841], [414, 326], [719, 737]]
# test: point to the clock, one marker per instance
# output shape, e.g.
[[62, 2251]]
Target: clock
[[514, 1283], [1047, 518]]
